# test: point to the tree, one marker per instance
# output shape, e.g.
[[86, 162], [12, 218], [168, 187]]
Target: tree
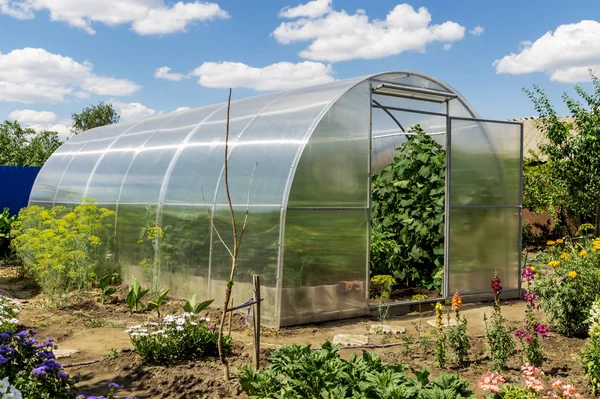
[[570, 179], [24, 146], [94, 116]]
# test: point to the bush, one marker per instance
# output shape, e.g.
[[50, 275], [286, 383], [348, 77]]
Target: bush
[[63, 249], [299, 372], [6, 222], [176, 338], [9, 313], [408, 213], [569, 289], [31, 367]]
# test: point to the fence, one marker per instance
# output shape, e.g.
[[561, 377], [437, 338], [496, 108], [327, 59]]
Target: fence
[[15, 186]]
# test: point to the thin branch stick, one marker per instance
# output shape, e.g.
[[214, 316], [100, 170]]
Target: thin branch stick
[[233, 224], [212, 223], [248, 204]]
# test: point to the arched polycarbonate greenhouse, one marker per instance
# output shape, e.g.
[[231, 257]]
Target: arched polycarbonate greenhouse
[[309, 205]]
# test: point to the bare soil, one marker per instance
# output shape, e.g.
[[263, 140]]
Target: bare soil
[[105, 353]]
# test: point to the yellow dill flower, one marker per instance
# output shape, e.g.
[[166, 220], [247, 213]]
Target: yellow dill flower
[[560, 241], [572, 274], [583, 253], [554, 263], [532, 268], [551, 243], [564, 255], [94, 240]]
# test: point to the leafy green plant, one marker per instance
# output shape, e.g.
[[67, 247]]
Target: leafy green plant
[[135, 295], [191, 306], [176, 338], [458, 338], [104, 284], [63, 249], [408, 213], [6, 222], [160, 299], [154, 242], [299, 372], [500, 342], [439, 351], [590, 355]]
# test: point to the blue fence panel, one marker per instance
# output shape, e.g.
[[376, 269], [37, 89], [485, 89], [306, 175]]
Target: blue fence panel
[[15, 186]]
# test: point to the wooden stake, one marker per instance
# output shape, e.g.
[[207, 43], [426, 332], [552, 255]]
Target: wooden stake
[[256, 317]]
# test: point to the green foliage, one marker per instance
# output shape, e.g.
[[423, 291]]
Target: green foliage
[[571, 177], [458, 340], [191, 306], [24, 146], [157, 302], [441, 340], [513, 392], [298, 372], [94, 116], [154, 243], [63, 249], [6, 222], [104, 284], [135, 296], [568, 291], [408, 212], [176, 338], [382, 285], [500, 342], [590, 361]]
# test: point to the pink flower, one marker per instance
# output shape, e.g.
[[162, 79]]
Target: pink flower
[[528, 273], [491, 381], [543, 330]]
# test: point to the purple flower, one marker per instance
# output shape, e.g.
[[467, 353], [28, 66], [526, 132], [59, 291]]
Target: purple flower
[[3, 360], [530, 297], [63, 375], [113, 385], [528, 273], [22, 334], [4, 336], [38, 372], [32, 332], [212, 327], [543, 330]]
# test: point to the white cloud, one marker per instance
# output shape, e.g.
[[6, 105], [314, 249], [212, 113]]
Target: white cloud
[[32, 116], [181, 109], [339, 36], [447, 46], [63, 128], [165, 73], [34, 75], [564, 55], [146, 17], [279, 76], [477, 31], [133, 111], [312, 9]]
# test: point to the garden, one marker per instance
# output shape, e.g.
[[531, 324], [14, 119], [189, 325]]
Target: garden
[[71, 328]]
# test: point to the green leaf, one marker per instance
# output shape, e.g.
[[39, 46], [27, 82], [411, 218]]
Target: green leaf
[[203, 305]]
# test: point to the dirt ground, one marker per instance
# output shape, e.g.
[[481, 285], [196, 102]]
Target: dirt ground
[[104, 352]]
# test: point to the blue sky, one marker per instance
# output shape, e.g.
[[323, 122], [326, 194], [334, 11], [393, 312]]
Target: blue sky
[[58, 56]]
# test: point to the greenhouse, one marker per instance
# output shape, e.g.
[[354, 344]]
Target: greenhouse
[[311, 154]]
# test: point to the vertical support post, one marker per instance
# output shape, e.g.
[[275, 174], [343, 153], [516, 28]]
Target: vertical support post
[[520, 234], [369, 198], [256, 317], [446, 282]]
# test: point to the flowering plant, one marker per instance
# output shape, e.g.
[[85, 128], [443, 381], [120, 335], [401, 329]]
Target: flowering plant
[[458, 339], [590, 356], [8, 391], [439, 352], [566, 291], [533, 330], [175, 338], [500, 342], [9, 313], [32, 368]]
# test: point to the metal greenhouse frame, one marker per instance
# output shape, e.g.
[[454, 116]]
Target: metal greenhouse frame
[[309, 213]]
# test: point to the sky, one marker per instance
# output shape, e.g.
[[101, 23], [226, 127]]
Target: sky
[[148, 57]]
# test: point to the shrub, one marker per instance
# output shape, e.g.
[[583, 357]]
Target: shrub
[[408, 213], [63, 249], [31, 367], [299, 372], [176, 338], [569, 289], [9, 313], [6, 222]]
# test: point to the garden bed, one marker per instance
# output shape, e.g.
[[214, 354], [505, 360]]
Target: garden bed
[[97, 333]]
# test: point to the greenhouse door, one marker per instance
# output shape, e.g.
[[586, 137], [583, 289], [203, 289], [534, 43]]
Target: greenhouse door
[[483, 207]]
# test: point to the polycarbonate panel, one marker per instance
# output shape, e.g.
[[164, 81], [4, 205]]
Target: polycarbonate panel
[[101, 133], [190, 117], [186, 260], [258, 254], [132, 221], [171, 137], [44, 189], [410, 79], [242, 109], [72, 186], [144, 179], [485, 163], [199, 165], [325, 264], [256, 145], [106, 181], [130, 142], [482, 241], [334, 168], [400, 102]]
